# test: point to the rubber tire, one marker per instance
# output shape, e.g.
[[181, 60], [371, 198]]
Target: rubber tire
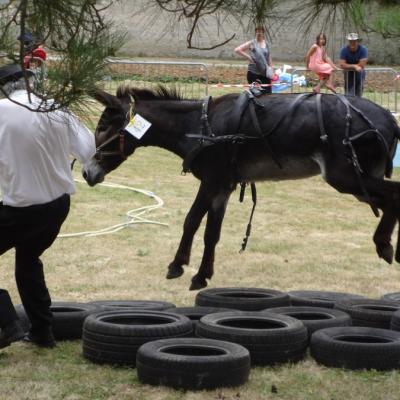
[[112, 305], [197, 312], [193, 363], [245, 299], [115, 336], [68, 318], [315, 318], [395, 321], [395, 296], [364, 312], [274, 339], [319, 298], [357, 352]]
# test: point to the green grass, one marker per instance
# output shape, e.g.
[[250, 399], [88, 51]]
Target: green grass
[[305, 236]]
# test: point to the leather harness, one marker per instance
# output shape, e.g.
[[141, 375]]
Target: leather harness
[[248, 99]]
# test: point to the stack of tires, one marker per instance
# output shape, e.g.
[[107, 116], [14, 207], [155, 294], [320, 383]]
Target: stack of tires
[[367, 344], [215, 342]]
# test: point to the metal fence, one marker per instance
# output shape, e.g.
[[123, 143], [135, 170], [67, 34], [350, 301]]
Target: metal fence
[[189, 78], [380, 86]]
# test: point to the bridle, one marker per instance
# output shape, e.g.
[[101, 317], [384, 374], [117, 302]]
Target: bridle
[[100, 154], [120, 135]]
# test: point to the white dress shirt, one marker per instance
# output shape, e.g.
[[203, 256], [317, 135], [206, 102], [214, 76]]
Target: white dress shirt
[[35, 149]]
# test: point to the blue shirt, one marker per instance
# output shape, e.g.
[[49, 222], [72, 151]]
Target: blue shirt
[[353, 57]]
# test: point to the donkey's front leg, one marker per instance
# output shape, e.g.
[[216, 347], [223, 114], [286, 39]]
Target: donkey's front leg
[[212, 234], [190, 226]]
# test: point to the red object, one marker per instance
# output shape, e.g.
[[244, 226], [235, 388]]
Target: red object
[[322, 76], [39, 53], [275, 78], [35, 54]]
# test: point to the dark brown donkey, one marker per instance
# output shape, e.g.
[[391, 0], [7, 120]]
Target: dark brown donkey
[[238, 138]]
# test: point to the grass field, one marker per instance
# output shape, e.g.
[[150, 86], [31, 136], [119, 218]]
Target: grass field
[[305, 236]]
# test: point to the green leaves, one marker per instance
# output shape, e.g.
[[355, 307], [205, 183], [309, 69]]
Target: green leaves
[[77, 35]]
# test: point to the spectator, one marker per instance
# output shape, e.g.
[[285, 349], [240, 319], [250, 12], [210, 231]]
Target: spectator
[[34, 53], [318, 61], [258, 55], [353, 59], [36, 183]]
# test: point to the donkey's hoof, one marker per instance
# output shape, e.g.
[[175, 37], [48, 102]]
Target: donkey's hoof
[[198, 283], [174, 271], [386, 252]]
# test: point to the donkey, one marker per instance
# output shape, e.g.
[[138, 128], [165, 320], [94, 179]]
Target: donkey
[[350, 141]]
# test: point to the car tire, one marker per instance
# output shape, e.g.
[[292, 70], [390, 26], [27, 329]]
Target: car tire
[[196, 313], [115, 336], [374, 313], [356, 348], [245, 299], [113, 305], [270, 338], [68, 318], [315, 318], [193, 363], [319, 298]]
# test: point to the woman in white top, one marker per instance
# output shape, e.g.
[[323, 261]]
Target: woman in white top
[[257, 53]]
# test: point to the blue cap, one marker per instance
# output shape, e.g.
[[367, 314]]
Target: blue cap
[[26, 37]]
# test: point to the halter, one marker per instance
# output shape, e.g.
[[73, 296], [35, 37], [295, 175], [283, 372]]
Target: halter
[[119, 135], [100, 154]]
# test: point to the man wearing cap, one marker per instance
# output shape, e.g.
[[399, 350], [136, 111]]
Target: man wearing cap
[[35, 183], [353, 59], [33, 51]]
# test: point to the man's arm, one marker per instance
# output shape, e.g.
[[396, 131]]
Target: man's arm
[[353, 67]]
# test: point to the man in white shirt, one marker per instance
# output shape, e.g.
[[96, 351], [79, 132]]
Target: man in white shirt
[[36, 183]]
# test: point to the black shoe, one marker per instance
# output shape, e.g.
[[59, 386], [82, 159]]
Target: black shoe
[[41, 339], [11, 333]]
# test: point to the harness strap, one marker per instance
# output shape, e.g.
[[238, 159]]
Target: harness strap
[[376, 131], [254, 199], [324, 135], [353, 155], [205, 125], [259, 132], [205, 133]]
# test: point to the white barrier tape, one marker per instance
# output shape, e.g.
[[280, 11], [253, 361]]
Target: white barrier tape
[[222, 85]]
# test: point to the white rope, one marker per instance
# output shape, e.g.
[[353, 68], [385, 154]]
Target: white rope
[[134, 215]]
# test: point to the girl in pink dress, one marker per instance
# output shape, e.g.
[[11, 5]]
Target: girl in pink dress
[[320, 63]]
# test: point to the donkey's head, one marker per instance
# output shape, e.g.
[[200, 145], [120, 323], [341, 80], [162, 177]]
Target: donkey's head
[[113, 144]]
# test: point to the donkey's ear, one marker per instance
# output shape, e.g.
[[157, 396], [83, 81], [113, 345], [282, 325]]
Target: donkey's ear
[[105, 98]]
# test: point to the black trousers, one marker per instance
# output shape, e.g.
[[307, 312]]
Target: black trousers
[[263, 79], [30, 230]]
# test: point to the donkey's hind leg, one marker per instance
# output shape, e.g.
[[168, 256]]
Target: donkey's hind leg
[[192, 222], [383, 233], [212, 234], [384, 194]]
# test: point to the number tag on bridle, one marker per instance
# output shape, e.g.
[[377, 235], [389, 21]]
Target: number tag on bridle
[[138, 126]]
